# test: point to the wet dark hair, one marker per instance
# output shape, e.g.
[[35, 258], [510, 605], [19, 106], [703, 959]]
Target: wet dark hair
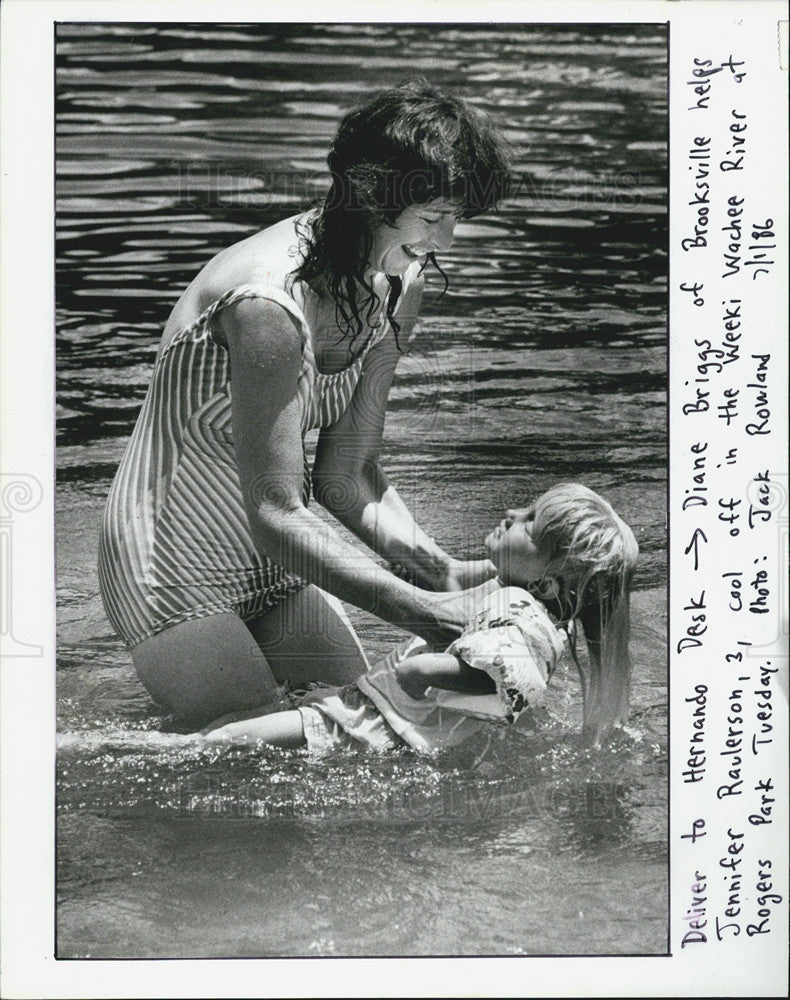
[[405, 146]]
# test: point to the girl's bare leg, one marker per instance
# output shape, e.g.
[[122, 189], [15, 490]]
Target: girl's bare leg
[[279, 729]]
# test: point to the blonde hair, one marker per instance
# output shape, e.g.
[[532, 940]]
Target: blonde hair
[[593, 554]]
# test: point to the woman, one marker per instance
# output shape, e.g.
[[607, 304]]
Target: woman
[[212, 568]]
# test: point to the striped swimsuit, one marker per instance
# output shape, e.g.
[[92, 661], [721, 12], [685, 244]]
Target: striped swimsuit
[[175, 541]]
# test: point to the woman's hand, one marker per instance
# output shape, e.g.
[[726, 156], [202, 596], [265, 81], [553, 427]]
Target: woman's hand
[[462, 575], [413, 575], [446, 616], [459, 575]]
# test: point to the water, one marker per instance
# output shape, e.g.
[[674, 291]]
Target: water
[[544, 361]]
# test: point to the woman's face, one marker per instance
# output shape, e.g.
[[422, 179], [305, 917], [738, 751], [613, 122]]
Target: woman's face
[[418, 231]]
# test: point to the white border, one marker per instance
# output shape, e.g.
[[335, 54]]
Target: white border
[[29, 969]]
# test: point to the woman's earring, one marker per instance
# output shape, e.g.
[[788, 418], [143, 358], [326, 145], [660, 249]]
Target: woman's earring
[[548, 589]]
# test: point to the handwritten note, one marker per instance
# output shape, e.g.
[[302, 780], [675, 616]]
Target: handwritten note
[[729, 510]]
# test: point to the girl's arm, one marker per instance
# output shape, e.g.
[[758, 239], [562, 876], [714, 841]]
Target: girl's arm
[[441, 670]]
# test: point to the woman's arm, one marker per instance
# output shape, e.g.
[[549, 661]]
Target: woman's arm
[[350, 483], [441, 670], [266, 358]]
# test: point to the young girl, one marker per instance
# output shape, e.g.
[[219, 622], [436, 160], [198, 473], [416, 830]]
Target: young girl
[[570, 550]]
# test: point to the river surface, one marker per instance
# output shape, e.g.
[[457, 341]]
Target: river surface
[[545, 361]]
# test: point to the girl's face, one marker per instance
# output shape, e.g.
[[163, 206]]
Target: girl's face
[[418, 231], [511, 549]]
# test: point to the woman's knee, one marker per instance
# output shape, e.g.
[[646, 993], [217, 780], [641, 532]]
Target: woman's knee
[[204, 667], [309, 637]]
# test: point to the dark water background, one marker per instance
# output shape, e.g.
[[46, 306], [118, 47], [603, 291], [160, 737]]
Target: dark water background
[[545, 361]]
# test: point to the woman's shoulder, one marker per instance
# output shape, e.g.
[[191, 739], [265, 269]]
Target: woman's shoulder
[[265, 259], [262, 262]]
